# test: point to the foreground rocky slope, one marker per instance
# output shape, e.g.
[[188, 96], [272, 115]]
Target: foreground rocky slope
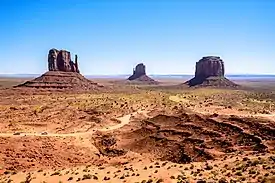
[[200, 135]]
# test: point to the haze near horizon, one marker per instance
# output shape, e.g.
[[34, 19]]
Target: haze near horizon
[[111, 37]]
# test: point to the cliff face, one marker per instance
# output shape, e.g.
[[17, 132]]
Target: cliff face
[[138, 72], [139, 75], [60, 60], [209, 66], [210, 72]]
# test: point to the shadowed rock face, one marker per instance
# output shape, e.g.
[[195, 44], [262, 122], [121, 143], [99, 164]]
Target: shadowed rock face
[[139, 75], [210, 72], [61, 61], [209, 66], [138, 72]]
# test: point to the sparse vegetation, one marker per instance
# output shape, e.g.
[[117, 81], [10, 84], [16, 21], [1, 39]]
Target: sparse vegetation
[[194, 123], [87, 176]]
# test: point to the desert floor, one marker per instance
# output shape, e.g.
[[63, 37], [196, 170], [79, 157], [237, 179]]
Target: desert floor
[[138, 133]]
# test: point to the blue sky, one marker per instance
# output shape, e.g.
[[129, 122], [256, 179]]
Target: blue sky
[[111, 37]]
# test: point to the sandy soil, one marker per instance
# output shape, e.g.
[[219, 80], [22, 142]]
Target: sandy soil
[[137, 134]]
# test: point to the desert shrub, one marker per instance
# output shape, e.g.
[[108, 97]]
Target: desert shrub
[[87, 176]]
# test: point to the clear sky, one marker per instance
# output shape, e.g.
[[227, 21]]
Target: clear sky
[[111, 37]]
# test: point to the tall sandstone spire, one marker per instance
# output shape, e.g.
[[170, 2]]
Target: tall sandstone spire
[[76, 64]]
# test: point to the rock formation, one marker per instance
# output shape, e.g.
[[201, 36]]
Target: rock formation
[[61, 61], [209, 66], [139, 74], [63, 74], [210, 72]]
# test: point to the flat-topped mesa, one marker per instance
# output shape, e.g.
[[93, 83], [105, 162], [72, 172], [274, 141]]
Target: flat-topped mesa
[[209, 66], [210, 72], [60, 60], [138, 71]]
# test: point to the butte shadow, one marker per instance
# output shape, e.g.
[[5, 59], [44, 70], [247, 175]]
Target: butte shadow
[[210, 72], [63, 74]]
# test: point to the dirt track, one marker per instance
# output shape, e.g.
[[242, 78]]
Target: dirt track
[[123, 121], [86, 136]]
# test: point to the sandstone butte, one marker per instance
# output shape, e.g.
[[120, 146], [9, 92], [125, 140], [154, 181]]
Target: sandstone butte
[[63, 73], [210, 72], [139, 75]]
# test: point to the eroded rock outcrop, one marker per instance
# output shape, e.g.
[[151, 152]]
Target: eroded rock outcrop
[[210, 72], [139, 74], [209, 66], [60, 60], [63, 74]]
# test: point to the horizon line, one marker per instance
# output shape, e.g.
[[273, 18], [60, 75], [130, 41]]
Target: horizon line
[[231, 74]]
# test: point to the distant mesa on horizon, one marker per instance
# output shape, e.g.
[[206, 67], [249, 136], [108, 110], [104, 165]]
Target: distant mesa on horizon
[[63, 74], [210, 72], [139, 74]]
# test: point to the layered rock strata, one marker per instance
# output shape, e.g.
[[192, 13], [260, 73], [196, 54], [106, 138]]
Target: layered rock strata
[[210, 72]]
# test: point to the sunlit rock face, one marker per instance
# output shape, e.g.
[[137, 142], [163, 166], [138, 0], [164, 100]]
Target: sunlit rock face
[[60, 60], [210, 72], [209, 66]]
